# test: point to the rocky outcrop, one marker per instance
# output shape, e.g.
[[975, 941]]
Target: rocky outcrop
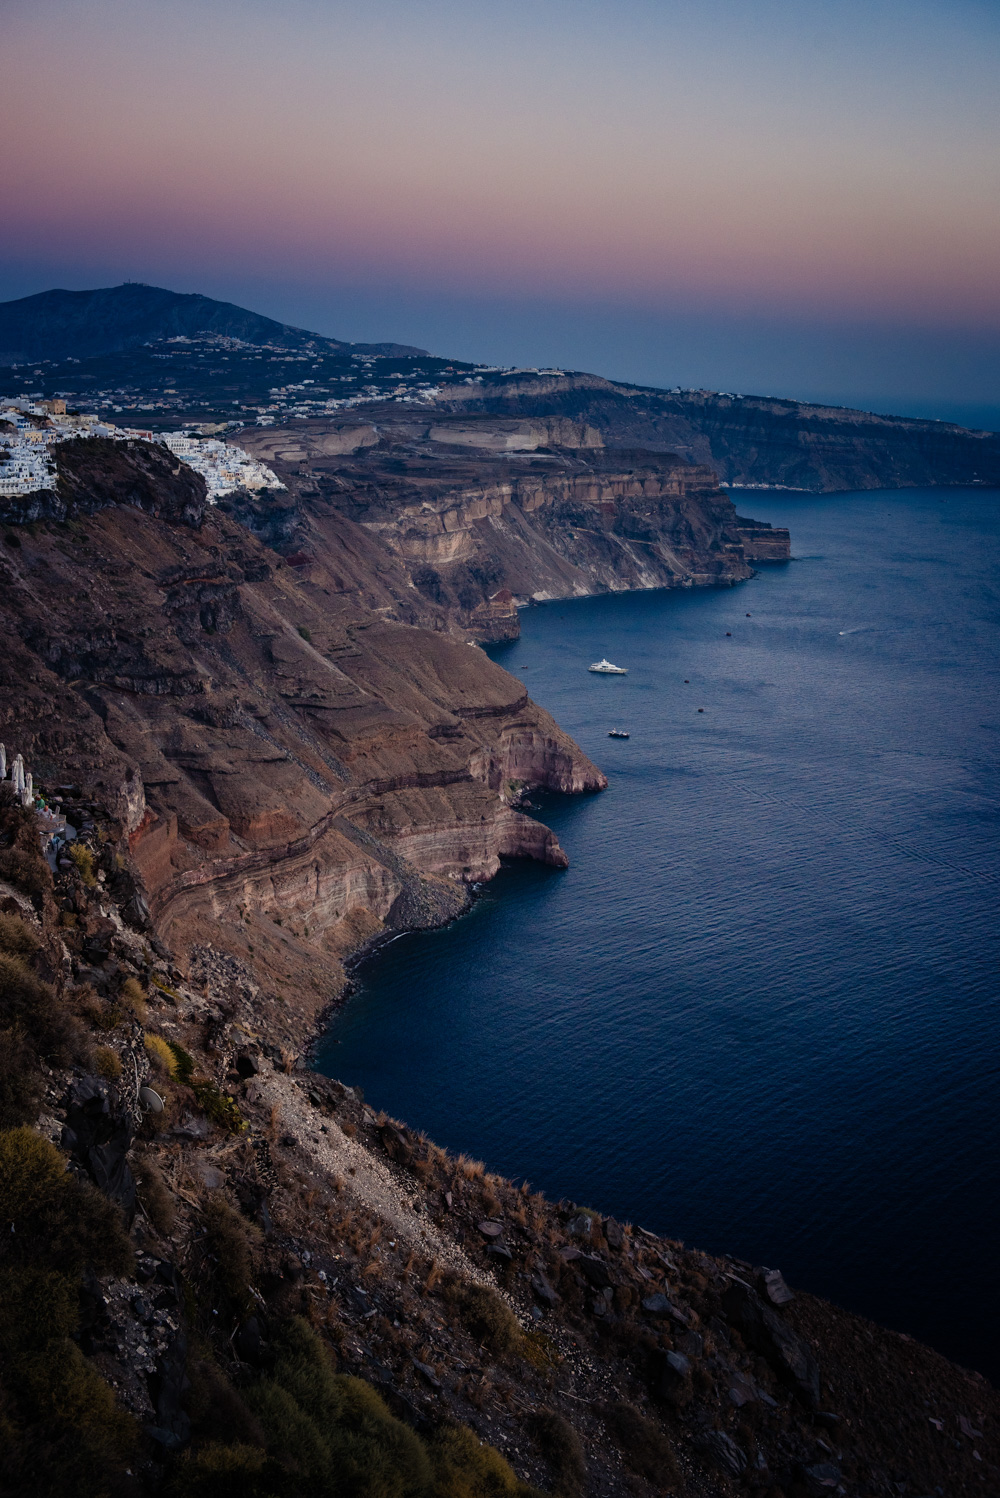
[[484, 512], [748, 440], [290, 742]]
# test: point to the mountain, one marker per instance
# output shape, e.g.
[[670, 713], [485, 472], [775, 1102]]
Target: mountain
[[84, 324]]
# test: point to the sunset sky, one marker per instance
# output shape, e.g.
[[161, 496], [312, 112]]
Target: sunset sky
[[790, 196]]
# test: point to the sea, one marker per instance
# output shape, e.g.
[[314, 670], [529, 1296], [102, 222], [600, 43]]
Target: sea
[[759, 1011]]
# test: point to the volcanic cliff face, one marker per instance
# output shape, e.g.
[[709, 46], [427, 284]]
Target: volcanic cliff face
[[284, 741], [485, 510], [223, 1274], [749, 440]]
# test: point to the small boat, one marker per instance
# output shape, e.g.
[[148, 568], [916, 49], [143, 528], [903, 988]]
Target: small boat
[[617, 733], [605, 668]]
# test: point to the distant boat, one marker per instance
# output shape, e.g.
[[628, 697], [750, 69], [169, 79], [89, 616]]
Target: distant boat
[[605, 668], [617, 733]]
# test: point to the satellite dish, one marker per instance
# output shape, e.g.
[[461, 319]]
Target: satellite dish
[[150, 1100]]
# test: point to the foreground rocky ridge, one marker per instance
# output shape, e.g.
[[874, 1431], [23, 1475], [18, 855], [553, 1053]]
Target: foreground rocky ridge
[[250, 1239]]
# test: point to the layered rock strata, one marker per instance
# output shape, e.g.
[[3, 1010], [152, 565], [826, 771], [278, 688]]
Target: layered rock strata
[[484, 511], [747, 439], [281, 742]]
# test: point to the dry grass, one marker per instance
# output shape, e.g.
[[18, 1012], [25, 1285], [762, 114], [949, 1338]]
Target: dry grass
[[161, 1055], [107, 1063], [133, 998], [469, 1169]]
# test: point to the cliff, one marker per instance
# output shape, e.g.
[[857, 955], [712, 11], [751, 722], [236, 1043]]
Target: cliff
[[280, 740], [751, 440], [483, 511], [249, 1283]]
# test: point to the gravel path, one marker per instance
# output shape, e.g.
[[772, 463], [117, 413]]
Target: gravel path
[[365, 1178]]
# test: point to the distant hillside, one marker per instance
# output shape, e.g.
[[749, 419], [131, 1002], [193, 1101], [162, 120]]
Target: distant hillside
[[748, 439], [84, 324]]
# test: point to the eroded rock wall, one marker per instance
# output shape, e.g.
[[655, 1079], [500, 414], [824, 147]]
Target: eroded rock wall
[[295, 744], [484, 511]]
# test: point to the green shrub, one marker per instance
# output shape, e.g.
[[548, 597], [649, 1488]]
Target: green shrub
[[132, 996], [154, 1194], [26, 870], [30, 1004], [643, 1445], [56, 1220], [329, 1435], [184, 1063], [487, 1317], [219, 1107], [61, 1428], [562, 1449], [464, 1467], [335, 1432], [107, 1063], [84, 860], [21, 1086], [161, 1054], [221, 1471], [21, 861], [234, 1244], [305, 633]]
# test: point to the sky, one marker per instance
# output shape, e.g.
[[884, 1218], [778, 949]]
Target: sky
[[796, 197]]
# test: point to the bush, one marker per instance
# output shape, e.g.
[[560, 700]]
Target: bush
[[334, 1432], [234, 1244], [21, 1086], [184, 1063], [26, 870], [643, 1445], [107, 1063], [133, 997], [62, 1431], [487, 1317], [21, 861], [27, 1002], [17, 938], [466, 1468], [161, 1054], [219, 1107], [84, 860], [56, 1219], [560, 1445], [221, 1471], [329, 1435], [154, 1194]]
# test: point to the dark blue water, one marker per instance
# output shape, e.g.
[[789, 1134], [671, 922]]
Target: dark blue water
[[759, 1011]]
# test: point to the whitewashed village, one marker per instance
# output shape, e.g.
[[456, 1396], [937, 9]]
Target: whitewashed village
[[30, 429]]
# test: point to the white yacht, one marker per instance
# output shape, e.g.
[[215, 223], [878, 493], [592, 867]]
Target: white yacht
[[605, 668]]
